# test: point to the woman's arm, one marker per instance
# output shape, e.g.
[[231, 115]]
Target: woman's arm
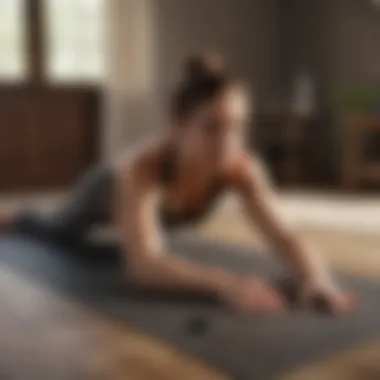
[[264, 210], [303, 260], [152, 266], [147, 258]]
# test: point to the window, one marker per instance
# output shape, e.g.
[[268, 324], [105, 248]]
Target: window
[[74, 32], [13, 63]]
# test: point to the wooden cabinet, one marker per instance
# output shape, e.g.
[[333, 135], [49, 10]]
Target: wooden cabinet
[[357, 165], [282, 139], [47, 137]]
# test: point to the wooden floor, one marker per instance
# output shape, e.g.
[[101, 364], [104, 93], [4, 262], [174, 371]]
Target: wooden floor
[[44, 336]]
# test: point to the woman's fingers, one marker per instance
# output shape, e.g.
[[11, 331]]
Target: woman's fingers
[[329, 300], [344, 303], [254, 297], [263, 297]]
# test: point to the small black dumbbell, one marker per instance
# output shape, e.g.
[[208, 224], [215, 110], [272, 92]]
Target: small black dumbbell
[[197, 326], [290, 289]]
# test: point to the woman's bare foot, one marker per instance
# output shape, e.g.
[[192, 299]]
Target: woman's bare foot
[[250, 295]]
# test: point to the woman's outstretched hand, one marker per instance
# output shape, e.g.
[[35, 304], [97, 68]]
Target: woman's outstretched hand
[[327, 297], [252, 296]]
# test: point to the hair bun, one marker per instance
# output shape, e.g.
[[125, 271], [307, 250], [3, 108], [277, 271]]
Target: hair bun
[[201, 66]]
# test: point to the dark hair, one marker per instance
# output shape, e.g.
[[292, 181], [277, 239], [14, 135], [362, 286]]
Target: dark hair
[[204, 77]]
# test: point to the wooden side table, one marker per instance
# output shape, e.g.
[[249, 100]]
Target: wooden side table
[[285, 133], [296, 128], [355, 169]]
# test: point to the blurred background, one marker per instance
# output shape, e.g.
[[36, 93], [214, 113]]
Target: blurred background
[[80, 80]]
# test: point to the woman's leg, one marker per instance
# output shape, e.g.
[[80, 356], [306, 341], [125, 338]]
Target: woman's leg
[[86, 205]]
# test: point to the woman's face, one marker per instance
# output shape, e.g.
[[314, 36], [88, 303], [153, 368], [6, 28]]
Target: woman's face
[[215, 132]]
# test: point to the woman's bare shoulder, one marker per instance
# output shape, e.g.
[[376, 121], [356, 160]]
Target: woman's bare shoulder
[[142, 157]]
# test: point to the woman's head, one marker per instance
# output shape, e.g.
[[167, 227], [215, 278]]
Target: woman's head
[[209, 109]]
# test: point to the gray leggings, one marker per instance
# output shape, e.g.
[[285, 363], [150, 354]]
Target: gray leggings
[[89, 203]]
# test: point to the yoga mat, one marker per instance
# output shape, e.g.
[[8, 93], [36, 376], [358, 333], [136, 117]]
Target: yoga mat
[[248, 348]]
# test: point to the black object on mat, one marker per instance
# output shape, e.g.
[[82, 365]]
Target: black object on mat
[[249, 348]]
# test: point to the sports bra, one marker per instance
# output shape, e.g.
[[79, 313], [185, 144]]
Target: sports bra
[[168, 175]]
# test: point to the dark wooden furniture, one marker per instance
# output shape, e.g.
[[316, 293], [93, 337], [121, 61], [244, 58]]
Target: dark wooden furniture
[[281, 138], [48, 132], [357, 166], [47, 136]]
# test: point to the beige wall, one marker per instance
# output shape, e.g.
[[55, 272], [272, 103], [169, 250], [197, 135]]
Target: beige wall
[[244, 31], [337, 40], [131, 62], [354, 43], [148, 40]]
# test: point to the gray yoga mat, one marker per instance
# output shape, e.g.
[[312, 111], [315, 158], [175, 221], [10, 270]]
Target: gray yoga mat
[[248, 348]]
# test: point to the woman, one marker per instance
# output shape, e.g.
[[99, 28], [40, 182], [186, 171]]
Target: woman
[[180, 174]]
